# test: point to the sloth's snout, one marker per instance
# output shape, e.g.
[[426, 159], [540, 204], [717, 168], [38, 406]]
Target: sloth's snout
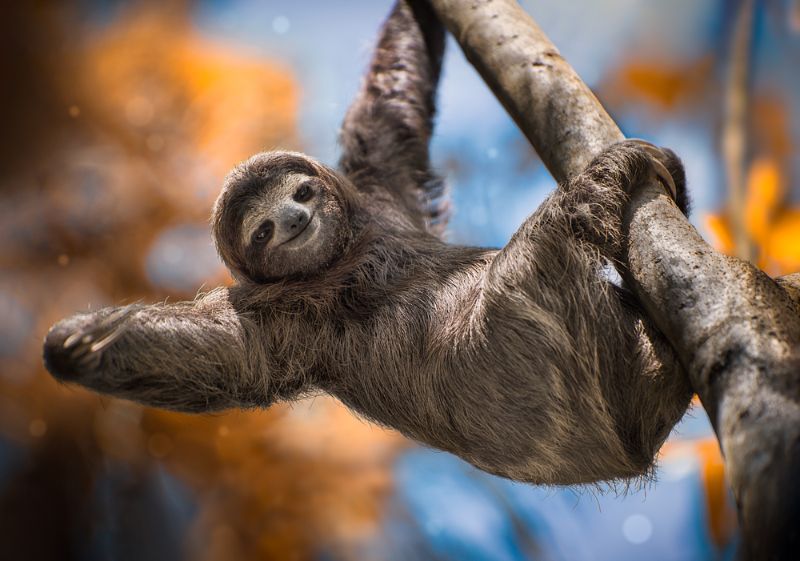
[[296, 220]]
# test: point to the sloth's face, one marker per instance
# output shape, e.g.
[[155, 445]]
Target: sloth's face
[[284, 216], [292, 227]]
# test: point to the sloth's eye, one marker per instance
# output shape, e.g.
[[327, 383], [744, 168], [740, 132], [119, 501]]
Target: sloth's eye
[[303, 193], [264, 232]]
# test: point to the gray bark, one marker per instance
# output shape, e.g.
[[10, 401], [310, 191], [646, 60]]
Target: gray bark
[[735, 331]]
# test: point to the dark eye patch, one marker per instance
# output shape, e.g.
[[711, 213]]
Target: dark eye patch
[[264, 233], [305, 192]]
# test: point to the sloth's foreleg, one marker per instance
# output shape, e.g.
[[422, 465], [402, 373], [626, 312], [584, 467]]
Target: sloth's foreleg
[[190, 356]]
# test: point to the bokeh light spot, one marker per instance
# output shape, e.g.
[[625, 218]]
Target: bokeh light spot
[[637, 528], [16, 323], [182, 258], [280, 25], [139, 111], [37, 428]]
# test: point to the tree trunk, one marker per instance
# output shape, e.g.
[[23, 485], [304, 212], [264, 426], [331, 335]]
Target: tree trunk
[[735, 331]]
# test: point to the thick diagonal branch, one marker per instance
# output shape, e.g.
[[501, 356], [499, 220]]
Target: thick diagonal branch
[[735, 330]]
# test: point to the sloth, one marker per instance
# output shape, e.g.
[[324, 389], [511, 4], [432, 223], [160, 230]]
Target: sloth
[[513, 359]]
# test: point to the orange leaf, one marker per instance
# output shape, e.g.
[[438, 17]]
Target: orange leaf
[[721, 230], [763, 197], [782, 246]]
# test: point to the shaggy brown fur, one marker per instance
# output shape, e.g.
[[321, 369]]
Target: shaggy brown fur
[[511, 359]]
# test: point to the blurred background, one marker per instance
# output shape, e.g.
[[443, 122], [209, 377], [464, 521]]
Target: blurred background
[[119, 120]]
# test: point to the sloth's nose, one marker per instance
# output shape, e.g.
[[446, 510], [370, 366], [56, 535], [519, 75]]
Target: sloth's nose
[[296, 220]]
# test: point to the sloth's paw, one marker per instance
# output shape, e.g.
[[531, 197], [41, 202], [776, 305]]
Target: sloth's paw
[[74, 347], [665, 166]]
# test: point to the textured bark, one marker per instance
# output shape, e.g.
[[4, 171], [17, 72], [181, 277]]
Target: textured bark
[[735, 331]]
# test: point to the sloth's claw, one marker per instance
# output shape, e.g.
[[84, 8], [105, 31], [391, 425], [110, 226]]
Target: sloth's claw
[[108, 338], [657, 158], [72, 340], [665, 177]]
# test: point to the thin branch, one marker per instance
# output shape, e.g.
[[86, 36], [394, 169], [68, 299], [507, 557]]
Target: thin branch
[[735, 330], [734, 124]]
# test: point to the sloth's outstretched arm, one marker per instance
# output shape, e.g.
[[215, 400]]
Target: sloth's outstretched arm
[[189, 356], [386, 132]]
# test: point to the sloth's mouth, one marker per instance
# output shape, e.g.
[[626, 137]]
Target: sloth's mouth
[[301, 232]]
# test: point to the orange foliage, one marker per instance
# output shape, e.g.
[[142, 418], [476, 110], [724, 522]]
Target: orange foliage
[[157, 114], [773, 226], [660, 84], [763, 195], [722, 517], [720, 228], [782, 247], [274, 483], [167, 86], [770, 222]]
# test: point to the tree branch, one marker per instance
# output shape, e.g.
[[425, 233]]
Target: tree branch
[[734, 123], [735, 330], [544, 95]]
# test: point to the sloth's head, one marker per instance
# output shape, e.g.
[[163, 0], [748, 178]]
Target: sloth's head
[[282, 214]]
